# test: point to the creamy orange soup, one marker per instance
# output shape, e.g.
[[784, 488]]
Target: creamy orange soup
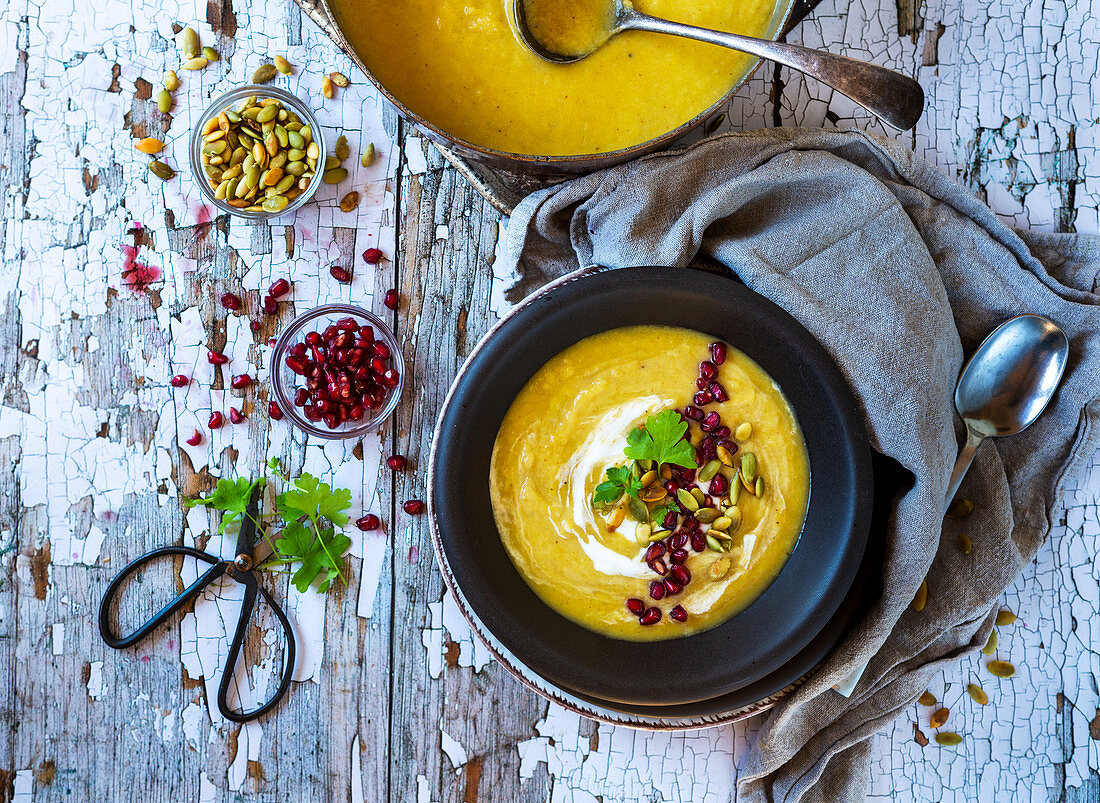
[[458, 64], [569, 426]]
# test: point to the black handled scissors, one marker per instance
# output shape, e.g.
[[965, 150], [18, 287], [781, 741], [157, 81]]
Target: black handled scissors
[[247, 557]]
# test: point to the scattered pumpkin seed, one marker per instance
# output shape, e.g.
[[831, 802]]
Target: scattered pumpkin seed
[[335, 176], [164, 101], [705, 515], [735, 489], [707, 472], [721, 523], [921, 597], [275, 203], [659, 535], [1005, 617], [149, 145], [734, 515], [189, 43], [724, 456], [687, 500], [648, 478], [342, 150], [638, 509], [642, 533], [367, 159], [713, 544], [977, 693], [960, 508], [282, 65], [636, 470], [161, 170], [991, 644], [927, 698], [700, 497], [211, 54], [964, 543], [616, 518], [721, 535], [1001, 669], [339, 79], [743, 432], [197, 63], [654, 493], [264, 73], [326, 88], [939, 718], [720, 568], [748, 468], [171, 81], [948, 739], [758, 488]]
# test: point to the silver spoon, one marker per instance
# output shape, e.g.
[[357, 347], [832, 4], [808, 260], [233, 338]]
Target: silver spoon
[[1007, 383], [894, 98]]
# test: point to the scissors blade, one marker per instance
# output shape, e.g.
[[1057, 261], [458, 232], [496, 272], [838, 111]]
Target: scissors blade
[[246, 537]]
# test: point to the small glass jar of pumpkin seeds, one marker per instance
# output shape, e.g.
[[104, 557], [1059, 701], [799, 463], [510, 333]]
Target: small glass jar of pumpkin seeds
[[257, 152]]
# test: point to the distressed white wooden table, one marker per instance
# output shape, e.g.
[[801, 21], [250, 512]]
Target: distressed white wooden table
[[109, 286]]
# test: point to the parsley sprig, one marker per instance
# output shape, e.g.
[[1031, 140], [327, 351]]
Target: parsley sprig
[[660, 439], [313, 513], [619, 481]]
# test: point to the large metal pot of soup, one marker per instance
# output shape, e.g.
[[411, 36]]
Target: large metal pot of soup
[[456, 70]]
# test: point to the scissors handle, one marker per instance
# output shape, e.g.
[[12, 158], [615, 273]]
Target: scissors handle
[[251, 587], [216, 570]]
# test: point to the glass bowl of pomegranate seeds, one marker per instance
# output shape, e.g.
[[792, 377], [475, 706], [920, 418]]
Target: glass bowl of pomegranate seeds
[[257, 152], [337, 371]]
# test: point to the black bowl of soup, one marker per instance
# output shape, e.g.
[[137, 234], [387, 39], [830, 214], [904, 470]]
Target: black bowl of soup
[[651, 485]]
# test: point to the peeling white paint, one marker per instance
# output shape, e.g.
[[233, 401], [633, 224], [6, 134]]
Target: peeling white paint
[[57, 638], [97, 688], [356, 771], [451, 747]]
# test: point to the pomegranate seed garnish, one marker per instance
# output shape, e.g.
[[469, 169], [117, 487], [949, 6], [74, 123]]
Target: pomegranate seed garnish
[[255, 327], [702, 398], [635, 606], [671, 487], [231, 301], [340, 275], [278, 288], [678, 614], [347, 324], [216, 357], [397, 462], [658, 566], [391, 299], [414, 507], [693, 413], [677, 556], [698, 542], [313, 339], [357, 412], [707, 370], [709, 448], [332, 421], [391, 378], [687, 475], [719, 486], [311, 413], [678, 540], [195, 439], [235, 415], [372, 256], [381, 349], [701, 384], [722, 432], [672, 588], [680, 573], [711, 421], [657, 589], [716, 390], [690, 522], [240, 381], [216, 420], [670, 517], [366, 334], [718, 352], [180, 380], [271, 305], [274, 411], [651, 617], [655, 551], [368, 522], [297, 364]]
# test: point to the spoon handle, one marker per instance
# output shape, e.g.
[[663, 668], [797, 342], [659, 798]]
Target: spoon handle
[[894, 98], [966, 456]]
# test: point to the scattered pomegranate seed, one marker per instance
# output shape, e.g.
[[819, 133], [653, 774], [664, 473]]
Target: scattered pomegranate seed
[[716, 390], [231, 301], [216, 357], [701, 384], [721, 433], [719, 486], [254, 326], [340, 275], [678, 556], [671, 487], [235, 416], [657, 589], [391, 299], [651, 617], [414, 507], [274, 411], [372, 256], [655, 551], [711, 421], [240, 381], [670, 518], [702, 398], [678, 541], [216, 420], [180, 381], [271, 305], [718, 352], [672, 588], [397, 462], [635, 606], [678, 614], [368, 522], [693, 413], [195, 439], [698, 542], [680, 573], [707, 370], [278, 288], [658, 566]]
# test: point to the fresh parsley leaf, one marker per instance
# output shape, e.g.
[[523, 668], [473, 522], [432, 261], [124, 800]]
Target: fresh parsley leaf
[[319, 552], [670, 506], [660, 440], [229, 496], [316, 500], [619, 481]]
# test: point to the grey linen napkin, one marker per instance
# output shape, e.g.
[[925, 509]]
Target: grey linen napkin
[[899, 272]]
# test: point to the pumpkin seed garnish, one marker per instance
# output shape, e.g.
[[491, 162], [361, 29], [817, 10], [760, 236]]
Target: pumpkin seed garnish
[[734, 515], [707, 472], [164, 101], [758, 488], [720, 568], [648, 478], [939, 718], [654, 493], [723, 537], [1005, 617], [748, 468], [735, 489], [1001, 669], [149, 145], [342, 148], [282, 65], [161, 170], [948, 739], [964, 543], [960, 508], [264, 73], [211, 54], [335, 176], [339, 79], [743, 432], [687, 500], [642, 533], [659, 535], [700, 497], [189, 43], [991, 645], [713, 544], [927, 698], [724, 455], [705, 515], [921, 597], [722, 523], [171, 81], [618, 515], [367, 159], [977, 693]]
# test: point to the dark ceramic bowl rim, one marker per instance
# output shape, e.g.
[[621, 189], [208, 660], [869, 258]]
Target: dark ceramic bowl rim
[[787, 616]]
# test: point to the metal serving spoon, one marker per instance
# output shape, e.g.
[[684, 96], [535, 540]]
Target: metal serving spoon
[[1007, 383], [894, 98]]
